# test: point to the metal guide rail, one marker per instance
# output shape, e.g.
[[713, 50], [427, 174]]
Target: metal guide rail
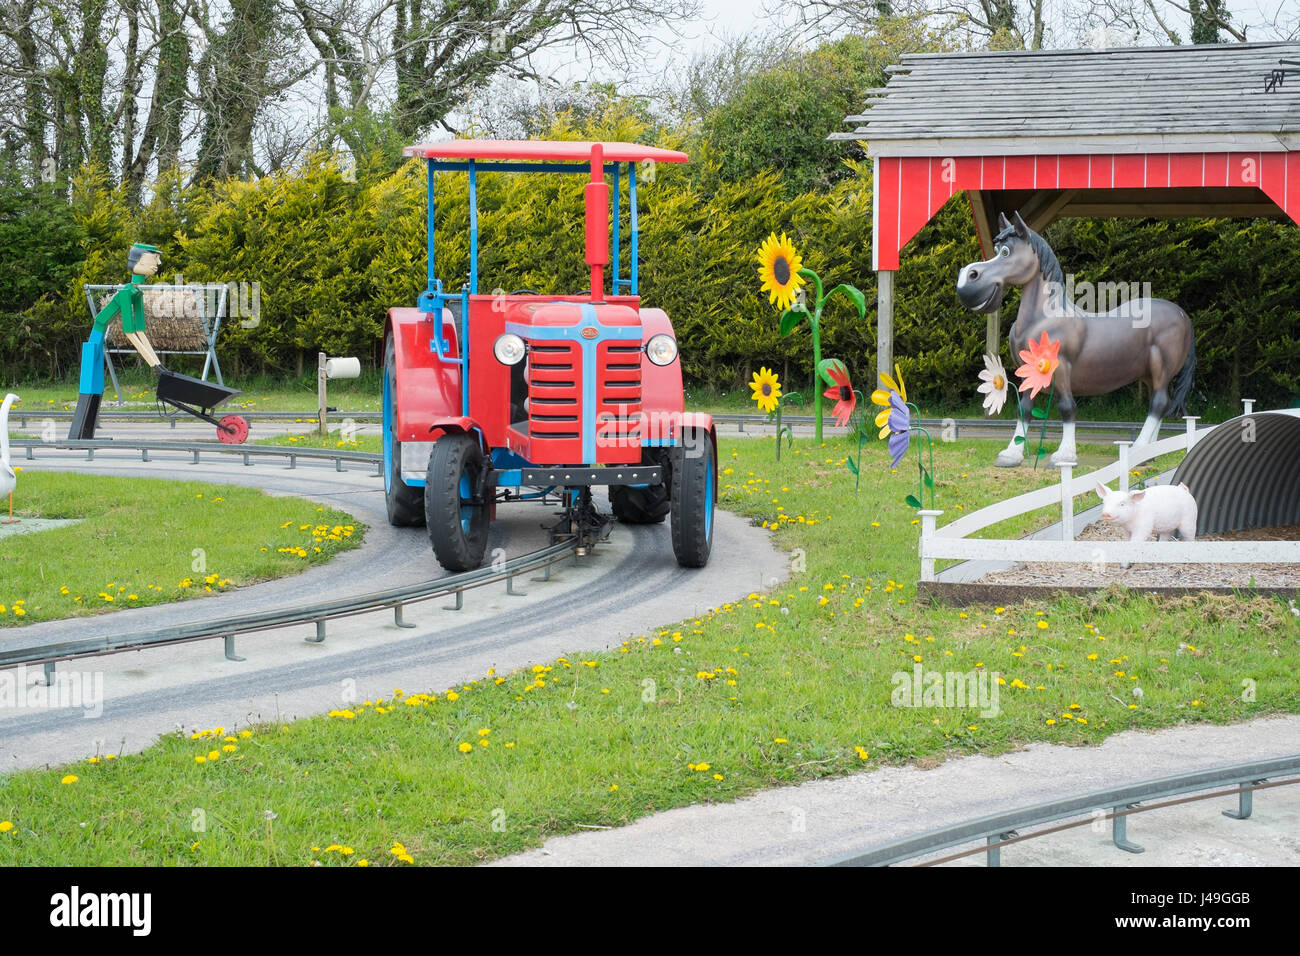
[[956, 424], [994, 832], [24, 416], [197, 448], [36, 414], [393, 599]]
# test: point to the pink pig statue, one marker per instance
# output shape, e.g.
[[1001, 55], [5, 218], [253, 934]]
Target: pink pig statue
[[1162, 509]]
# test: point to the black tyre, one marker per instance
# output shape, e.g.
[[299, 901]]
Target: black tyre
[[640, 505], [694, 495], [455, 502], [405, 504]]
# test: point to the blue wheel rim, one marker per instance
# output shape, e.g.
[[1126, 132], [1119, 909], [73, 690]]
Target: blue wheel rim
[[466, 511], [708, 501], [389, 425]]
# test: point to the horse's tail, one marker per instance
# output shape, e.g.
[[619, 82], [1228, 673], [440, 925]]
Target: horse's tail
[[1182, 384]]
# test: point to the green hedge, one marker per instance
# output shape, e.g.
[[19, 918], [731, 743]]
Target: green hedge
[[332, 255]]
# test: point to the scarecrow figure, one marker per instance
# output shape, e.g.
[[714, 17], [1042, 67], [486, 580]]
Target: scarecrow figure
[[143, 260]]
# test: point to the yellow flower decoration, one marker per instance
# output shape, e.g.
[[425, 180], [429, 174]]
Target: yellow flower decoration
[[767, 389], [881, 397], [778, 267]]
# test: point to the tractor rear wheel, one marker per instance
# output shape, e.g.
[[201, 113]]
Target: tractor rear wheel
[[694, 490], [405, 504], [648, 505], [456, 508]]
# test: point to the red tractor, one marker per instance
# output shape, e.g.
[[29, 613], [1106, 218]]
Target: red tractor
[[505, 397]]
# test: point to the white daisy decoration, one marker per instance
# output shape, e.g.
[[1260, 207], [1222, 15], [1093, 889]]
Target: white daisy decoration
[[993, 384]]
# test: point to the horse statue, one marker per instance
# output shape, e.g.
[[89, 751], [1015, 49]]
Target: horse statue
[[1142, 339]]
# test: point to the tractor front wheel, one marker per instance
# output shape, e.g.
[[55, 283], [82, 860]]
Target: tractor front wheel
[[405, 504], [694, 494], [456, 507]]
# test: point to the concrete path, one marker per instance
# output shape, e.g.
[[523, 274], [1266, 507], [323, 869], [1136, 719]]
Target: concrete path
[[821, 821]]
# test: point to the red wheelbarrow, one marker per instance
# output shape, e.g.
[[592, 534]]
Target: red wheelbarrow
[[193, 396]]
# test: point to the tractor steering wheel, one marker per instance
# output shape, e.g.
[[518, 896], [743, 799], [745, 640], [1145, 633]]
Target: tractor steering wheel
[[525, 292]]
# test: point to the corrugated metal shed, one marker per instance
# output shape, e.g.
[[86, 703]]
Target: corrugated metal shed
[[1243, 474], [1210, 97]]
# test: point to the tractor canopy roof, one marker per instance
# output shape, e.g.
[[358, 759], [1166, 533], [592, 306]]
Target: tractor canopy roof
[[540, 150], [594, 159]]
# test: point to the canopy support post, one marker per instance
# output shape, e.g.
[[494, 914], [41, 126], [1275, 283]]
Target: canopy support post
[[885, 322]]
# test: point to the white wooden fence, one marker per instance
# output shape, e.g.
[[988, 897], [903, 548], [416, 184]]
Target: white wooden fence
[[952, 541]]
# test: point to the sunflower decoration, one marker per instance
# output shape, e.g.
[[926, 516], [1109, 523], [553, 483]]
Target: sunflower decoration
[[782, 271], [767, 390], [778, 266]]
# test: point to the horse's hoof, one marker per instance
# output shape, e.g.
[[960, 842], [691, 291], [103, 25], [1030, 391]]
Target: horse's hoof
[[1064, 457], [1009, 460]]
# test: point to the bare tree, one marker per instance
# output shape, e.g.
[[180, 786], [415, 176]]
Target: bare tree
[[1036, 24], [444, 53], [238, 87], [712, 76], [27, 117]]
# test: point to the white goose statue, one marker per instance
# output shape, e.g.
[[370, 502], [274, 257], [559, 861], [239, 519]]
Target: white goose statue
[[8, 480]]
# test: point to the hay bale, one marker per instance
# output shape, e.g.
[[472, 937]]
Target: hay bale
[[172, 318]]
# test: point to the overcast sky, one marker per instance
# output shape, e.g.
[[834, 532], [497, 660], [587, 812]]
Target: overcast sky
[[722, 18]]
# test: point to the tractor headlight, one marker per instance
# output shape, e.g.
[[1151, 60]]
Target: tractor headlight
[[661, 349], [509, 349]]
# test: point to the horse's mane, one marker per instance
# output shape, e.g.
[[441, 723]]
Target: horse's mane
[[1048, 264]]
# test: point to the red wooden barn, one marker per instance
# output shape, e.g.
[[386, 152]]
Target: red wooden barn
[[1156, 131]]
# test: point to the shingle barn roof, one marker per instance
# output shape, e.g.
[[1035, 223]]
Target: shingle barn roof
[[1134, 99]]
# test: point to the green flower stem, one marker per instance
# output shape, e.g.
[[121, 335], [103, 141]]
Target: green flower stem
[[778, 431], [862, 436], [815, 321], [819, 300], [920, 465], [1042, 434]]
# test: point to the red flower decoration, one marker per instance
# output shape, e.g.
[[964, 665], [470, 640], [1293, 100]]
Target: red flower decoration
[[841, 393], [1040, 365]]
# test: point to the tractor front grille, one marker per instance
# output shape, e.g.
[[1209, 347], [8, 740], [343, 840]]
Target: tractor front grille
[[557, 418], [618, 398], [554, 390]]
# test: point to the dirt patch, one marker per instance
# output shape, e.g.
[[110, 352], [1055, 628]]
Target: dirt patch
[[1159, 575]]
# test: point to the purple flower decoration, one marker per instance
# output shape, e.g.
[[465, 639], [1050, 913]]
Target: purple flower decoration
[[900, 427]]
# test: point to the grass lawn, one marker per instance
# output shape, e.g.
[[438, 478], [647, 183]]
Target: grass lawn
[[1116, 407], [779, 688], [264, 393], [370, 443], [150, 541]]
